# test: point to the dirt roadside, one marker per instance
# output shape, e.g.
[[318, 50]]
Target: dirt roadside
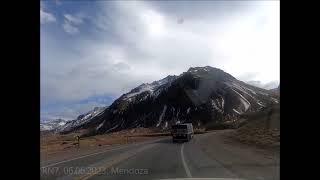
[[56, 147], [243, 159]]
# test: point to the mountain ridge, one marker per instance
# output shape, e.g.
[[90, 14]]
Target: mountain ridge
[[200, 95]]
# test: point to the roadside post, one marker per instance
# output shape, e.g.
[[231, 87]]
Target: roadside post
[[78, 141], [268, 122]]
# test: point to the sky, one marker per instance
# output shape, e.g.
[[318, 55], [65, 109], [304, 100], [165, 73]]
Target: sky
[[92, 52]]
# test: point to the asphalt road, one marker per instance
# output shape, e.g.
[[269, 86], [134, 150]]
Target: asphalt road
[[205, 156]]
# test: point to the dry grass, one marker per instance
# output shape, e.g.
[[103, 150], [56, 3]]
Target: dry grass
[[55, 143], [258, 136], [260, 130]]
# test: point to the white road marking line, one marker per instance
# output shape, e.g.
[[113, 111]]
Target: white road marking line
[[204, 179], [186, 168], [126, 146], [81, 157], [117, 160]]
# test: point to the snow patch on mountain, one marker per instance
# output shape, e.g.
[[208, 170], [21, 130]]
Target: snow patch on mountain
[[141, 89], [215, 105], [243, 100], [44, 127], [95, 112], [114, 127], [154, 88], [222, 103], [258, 102], [83, 119], [236, 111], [188, 110], [274, 100], [161, 115], [100, 125]]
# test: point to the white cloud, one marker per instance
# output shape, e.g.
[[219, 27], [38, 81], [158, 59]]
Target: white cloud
[[71, 22], [46, 17], [139, 43], [268, 85], [154, 23], [238, 42], [73, 19], [70, 28], [69, 112]]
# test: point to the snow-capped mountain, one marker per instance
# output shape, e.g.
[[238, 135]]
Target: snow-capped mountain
[[82, 119], [150, 89], [61, 125], [202, 95], [52, 125]]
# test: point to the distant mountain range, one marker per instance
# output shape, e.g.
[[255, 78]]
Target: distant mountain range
[[52, 125], [58, 125], [268, 86], [202, 95]]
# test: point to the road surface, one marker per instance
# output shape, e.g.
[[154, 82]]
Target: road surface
[[205, 156]]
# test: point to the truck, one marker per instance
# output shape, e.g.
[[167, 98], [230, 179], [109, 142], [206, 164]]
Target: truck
[[182, 132]]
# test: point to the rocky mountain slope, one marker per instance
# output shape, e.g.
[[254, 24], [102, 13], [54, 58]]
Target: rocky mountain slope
[[59, 125], [261, 128], [83, 119], [202, 95]]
